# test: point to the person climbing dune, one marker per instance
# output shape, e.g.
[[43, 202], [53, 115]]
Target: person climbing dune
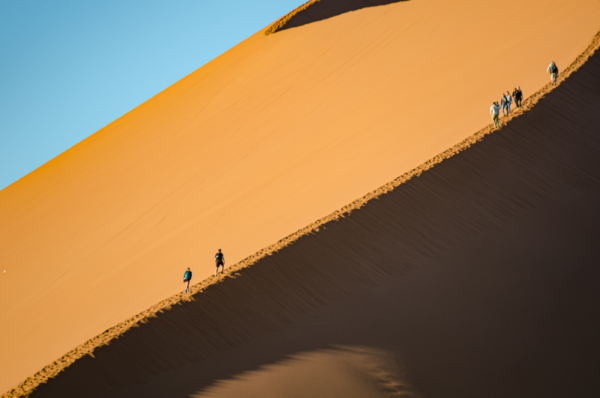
[[508, 101], [220, 260], [495, 112], [187, 277], [553, 70], [518, 96], [504, 105]]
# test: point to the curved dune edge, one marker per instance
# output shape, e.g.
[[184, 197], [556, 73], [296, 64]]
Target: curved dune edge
[[50, 371], [280, 23]]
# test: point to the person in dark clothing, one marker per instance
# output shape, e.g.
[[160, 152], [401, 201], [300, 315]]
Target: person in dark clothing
[[220, 260], [553, 70], [518, 96], [187, 277]]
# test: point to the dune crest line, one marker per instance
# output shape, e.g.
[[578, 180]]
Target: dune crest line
[[280, 23], [51, 370], [323, 9]]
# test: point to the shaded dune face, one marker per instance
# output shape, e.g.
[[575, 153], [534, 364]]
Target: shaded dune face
[[319, 10], [478, 278]]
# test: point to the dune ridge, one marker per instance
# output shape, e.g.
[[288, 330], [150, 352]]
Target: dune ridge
[[280, 23], [87, 348], [270, 136], [318, 10], [500, 297]]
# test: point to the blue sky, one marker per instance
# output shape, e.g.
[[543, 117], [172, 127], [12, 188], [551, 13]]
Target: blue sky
[[69, 67]]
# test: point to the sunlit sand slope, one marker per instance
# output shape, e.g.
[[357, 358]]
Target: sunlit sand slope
[[277, 132], [478, 279]]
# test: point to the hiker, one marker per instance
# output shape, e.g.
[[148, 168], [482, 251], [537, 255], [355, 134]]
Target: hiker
[[553, 70], [187, 277], [495, 112], [504, 105], [518, 96], [220, 260], [508, 101]]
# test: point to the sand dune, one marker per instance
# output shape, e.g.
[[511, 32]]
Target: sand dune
[[318, 10], [276, 133], [479, 278]]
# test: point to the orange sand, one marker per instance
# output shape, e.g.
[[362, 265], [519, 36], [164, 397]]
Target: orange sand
[[275, 133], [478, 279]]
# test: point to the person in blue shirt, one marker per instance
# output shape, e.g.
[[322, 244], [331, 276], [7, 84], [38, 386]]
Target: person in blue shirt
[[187, 277], [505, 104]]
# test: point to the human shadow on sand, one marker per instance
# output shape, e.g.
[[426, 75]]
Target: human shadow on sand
[[324, 9], [480, 277]]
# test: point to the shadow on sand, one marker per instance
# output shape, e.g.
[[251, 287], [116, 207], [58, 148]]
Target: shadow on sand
[[481, 277], [319, 10]]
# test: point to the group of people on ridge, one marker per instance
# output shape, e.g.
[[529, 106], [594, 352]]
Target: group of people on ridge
[[220, 261], [505, 102], [517, 96]]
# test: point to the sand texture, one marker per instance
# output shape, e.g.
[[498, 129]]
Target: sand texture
[[479, 278], [278, 132]]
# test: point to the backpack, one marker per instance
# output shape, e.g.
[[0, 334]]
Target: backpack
[[219, 257], [187, 275], [554, 69]]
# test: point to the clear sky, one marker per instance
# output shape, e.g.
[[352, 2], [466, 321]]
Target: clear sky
[[70, 67]]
